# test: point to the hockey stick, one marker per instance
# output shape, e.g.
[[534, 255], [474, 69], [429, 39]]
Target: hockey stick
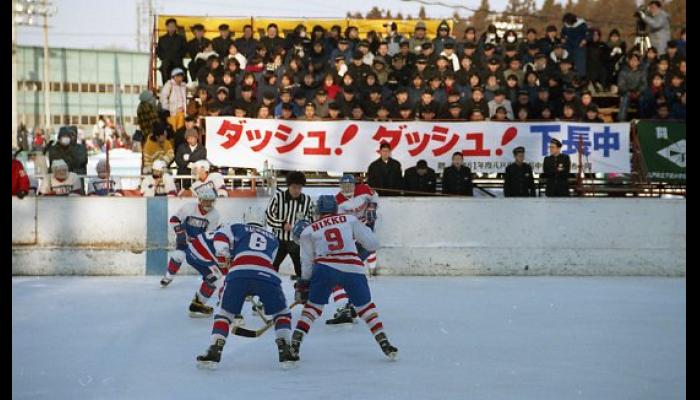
[[244, 332]]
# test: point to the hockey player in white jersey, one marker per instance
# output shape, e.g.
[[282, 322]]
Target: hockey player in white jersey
[[61, 182], [189, 221], [205, 180], [105, 184], [159, 183], [361, 201], [329, 257]]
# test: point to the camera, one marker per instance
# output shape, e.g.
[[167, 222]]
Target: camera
[[640, 25]]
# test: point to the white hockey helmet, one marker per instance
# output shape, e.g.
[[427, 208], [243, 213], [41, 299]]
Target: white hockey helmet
[[159, 165], [255, 216], [60, 169], [206, 199], [201, 164]]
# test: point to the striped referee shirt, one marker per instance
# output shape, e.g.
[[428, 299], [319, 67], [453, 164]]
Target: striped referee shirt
[[284, 209]]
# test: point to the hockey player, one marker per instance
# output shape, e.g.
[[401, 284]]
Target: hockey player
[[251, 249], [61, 182], [360, 201], [200, 254], [159, 183], [104, 184], [329, 258], [190, 220], [205, 180]]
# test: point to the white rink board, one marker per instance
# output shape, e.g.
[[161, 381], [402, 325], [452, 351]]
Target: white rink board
[[418, 236]]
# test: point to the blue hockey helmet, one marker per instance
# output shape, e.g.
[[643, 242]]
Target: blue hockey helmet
[[298, 228], [347, 178], [326, 204]]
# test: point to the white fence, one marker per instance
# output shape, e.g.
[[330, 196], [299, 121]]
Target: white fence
[[419, 236]]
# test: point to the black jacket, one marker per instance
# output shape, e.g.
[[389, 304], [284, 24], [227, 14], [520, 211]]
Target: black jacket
[[171, 50], [416, 183], [194, 46], [246, 46], [457, 181], [519, 181], [557, 181], [199, 153], [385, 175], [221, 46]]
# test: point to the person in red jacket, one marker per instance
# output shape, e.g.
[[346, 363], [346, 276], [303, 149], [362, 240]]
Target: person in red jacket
[[20, 180]]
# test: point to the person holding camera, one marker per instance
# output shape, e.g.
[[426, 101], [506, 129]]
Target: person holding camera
[[658, 23]]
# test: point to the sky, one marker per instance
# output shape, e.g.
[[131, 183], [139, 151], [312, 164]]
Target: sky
[[113, 24]]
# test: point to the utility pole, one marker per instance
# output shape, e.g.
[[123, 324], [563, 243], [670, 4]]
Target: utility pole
[[25, 12], [14, 77]]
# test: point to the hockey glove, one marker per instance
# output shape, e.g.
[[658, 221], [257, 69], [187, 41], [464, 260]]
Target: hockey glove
[[180, 238], [215, 277], [302, 291], [371, 213]]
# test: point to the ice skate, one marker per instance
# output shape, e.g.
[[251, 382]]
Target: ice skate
[[389, 350], [199, 309], [211, 359]]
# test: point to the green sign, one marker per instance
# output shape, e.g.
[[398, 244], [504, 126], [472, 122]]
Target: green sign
[[663, 146]]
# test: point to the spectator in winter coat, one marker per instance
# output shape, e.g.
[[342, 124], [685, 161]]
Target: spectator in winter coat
[[188, 153], [659, 25], [171, 49], [157, 147], [247, 45], [415, 43], [223, 41], [631, 83], [597, 59], [499, 100], [457, 178], [574, 34], [173, 98], [384, 174], [518, 180], [272, 41], [20, 180], [420, 180], [74, 154]]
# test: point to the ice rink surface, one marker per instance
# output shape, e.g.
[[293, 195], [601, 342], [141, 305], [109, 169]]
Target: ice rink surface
[[458, 338]]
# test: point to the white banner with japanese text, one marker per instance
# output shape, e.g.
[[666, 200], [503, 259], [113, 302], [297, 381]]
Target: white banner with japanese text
[[350, 146]]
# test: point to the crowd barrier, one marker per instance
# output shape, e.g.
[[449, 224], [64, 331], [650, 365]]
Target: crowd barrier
[[419, 236]]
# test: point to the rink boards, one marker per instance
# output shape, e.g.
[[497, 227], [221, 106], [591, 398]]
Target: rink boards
[[419, 236]]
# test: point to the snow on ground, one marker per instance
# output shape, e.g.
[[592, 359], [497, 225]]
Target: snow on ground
[[458, 338]]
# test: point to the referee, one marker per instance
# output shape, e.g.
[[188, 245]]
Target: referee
[[284, 210]]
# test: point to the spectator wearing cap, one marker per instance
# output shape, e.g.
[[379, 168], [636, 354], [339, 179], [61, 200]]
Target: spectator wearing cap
[[357, 69], [443, 36], [272, 41], [448, 52], [321, 103], [247, 44], [631, 82], [405, 52], [198, 49], [519, 180], [157, 147], [341, 52], [428, 112], [418, 38], [222, 105], [574, 34], [420, 180], [515, 68], [384, 174], [546, 44], [453, 112], [173, 98], [428, 51], [367, 56], [499, 100], [188, 153], [457, 178], [222, 42], [555, 170], [171, 49]]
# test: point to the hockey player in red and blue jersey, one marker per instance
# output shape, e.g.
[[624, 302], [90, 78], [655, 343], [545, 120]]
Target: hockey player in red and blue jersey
[[191, 220], [361, 201], [251, 249], [329, 257], [200, 254]]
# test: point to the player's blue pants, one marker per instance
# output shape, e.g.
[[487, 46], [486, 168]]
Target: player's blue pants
[[236, 290], [325, 278], [206, 289]]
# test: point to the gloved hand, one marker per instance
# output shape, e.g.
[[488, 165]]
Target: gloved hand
[[301, 293], [214, 278], [371, 213], [180, 239]]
